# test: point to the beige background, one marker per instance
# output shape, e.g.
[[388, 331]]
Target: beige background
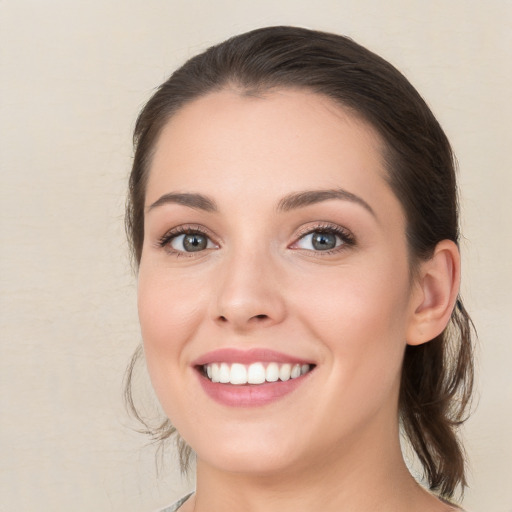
[[73, 77]]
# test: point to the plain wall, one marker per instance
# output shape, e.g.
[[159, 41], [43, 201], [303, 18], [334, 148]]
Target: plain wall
[[73, 77]]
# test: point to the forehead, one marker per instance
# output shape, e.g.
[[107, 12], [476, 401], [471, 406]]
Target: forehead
[[266, 145]]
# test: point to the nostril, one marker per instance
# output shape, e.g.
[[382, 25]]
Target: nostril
[[239, 320]]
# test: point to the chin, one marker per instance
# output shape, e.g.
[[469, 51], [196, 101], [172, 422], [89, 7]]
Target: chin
[[250, 464], [256, 456]]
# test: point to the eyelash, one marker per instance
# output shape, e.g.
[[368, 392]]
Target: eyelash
[[346, 237], [165, 241]]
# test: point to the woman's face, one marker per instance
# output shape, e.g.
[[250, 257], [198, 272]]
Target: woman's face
[[273, 249]]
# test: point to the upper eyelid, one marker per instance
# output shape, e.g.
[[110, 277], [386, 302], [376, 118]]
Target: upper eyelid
[[189, 228], [184, 229], [324, 226]]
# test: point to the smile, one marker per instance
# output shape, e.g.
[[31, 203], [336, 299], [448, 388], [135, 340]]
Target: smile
[[239, 374], [250, 378]]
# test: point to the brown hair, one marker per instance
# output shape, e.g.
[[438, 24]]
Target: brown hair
[[437, 376]]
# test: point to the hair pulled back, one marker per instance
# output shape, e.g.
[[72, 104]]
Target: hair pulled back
[[437, 376]]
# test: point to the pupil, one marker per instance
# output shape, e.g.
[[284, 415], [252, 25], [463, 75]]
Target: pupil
[[324, 241], [193, 243]]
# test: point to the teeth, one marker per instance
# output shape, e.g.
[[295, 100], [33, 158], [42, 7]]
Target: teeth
[[295, 371], [215, 372], [238, 374], [255, 373], [224, 373], [285, 372], [272, 373]]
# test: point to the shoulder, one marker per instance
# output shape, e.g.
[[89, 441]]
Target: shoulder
[[175, 506], [452, 507]]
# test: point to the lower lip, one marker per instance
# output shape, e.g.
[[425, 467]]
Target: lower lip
[[250, 395]]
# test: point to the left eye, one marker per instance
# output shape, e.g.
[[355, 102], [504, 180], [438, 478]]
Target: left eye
[[319, 241], [191, 242]]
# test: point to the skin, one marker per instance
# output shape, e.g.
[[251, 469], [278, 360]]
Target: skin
[[333, 443]]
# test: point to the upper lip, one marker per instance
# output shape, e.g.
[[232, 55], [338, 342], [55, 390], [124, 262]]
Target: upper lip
[[255, 355]]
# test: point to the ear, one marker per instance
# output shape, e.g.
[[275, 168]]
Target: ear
[[435, 293]]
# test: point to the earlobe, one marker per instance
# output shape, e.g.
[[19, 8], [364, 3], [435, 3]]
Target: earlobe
[[436, 291]]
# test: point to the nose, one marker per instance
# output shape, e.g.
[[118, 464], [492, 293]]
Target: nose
[[250, 292]]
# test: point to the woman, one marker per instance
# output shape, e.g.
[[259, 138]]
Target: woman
[[293, 218]]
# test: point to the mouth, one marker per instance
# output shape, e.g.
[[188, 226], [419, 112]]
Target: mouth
[[239, 374], [249, 378]]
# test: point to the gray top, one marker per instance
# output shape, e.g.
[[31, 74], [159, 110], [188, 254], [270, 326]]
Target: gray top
[[177, 505]]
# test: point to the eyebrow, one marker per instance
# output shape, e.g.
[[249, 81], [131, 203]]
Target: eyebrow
[[309, 197], [195, 201], [290, 202]]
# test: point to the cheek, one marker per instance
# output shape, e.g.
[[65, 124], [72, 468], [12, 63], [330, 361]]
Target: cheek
[[351, 300], [169, 314], [361, 317]]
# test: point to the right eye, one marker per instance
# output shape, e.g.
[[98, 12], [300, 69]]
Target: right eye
[[186, 240], [191, 242]]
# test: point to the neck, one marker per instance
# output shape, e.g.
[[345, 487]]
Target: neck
[[367, 473]]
